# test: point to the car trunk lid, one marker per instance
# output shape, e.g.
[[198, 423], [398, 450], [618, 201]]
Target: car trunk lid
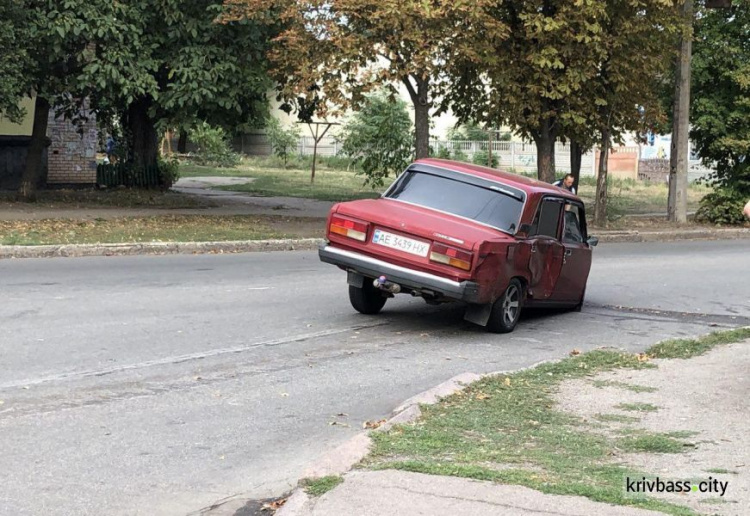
[[406, 233]]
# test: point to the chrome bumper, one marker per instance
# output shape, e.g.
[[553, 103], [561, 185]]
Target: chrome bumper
[[416, 280]]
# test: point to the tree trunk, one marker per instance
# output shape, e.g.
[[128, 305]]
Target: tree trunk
[[182, 142], [576, 155], [545, 154], [600, 209], [32, 172], [144, 140], [678, 159], [421, 100]]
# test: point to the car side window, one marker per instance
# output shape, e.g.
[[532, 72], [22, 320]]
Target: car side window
[[572, 227], [547, 218]]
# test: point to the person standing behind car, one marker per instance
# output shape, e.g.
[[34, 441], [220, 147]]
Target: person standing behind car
[[110, 148], [566, 183]]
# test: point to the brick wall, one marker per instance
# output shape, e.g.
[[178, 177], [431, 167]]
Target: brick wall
[[622, 162], [71, 157]]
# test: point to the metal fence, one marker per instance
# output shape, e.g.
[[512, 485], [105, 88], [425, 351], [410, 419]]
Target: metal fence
[[514, 156]]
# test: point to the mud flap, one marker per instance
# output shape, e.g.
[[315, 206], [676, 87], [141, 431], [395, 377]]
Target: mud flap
[[478, 314], [355, 279]]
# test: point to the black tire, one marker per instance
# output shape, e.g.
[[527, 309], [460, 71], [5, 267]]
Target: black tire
[[367, 300], [506, 311]]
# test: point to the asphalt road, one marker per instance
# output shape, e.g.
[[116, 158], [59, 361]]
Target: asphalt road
[[159, 385]]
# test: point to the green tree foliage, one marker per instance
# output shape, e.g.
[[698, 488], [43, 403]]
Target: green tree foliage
[[526, 81], [468, 132], [722, 206], [482, 157], [638, 40], [50, 50], [213, 147], [283, 141], [379, 138], [152, 64], [188, 67], [563, 61], [14, 58], [720, 112], [341, 49]]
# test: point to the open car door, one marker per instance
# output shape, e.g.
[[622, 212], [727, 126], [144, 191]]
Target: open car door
[[546, 256]]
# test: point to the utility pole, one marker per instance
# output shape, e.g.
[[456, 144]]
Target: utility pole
[[678, 158]]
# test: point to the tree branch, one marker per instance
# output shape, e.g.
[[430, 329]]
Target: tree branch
[[410, 87]]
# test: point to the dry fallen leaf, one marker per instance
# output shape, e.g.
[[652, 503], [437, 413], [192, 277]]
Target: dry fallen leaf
[[341, 414], [337, 423], [371, 425], [482, 396], [507, 382], [274, 506], [643, 357], [575, 352]]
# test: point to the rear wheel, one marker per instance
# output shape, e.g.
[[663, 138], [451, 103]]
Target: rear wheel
[[507, 309], [367, 299]]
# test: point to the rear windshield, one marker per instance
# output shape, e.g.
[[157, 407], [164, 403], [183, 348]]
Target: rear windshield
[[483, 204]]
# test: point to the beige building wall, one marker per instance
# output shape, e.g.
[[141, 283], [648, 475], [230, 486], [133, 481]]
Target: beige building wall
[[8, 128]]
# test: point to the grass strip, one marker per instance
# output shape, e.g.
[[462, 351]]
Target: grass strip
[[164, 228], [508, 429], [320, 486]]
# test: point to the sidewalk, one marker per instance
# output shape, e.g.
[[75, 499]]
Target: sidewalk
[[700, 403], [219, 202], [381, 493]]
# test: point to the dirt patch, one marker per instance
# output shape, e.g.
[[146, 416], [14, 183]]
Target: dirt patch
[[703, 404]]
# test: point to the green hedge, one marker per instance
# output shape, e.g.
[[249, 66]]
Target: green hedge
[[162, 175]]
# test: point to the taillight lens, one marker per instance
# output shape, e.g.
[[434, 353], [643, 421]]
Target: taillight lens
[[349, 228], [451, 256]]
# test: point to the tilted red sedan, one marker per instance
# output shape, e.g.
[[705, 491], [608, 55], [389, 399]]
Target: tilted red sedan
[[449, 231]]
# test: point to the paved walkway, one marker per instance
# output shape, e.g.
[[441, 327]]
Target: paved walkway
[[226, 203], [379, 493], [291, 206]]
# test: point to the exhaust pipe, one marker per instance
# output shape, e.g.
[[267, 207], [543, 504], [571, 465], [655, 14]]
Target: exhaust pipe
[[383, 284]]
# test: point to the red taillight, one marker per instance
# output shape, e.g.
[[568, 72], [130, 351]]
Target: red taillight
[[451, 256], [349, 228]]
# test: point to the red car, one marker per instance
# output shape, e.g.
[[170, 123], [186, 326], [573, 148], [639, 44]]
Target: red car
[[449, 231]]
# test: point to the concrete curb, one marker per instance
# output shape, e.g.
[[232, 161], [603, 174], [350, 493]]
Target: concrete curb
[[309, 244], [158, 248], [667, 236], [341, 459]]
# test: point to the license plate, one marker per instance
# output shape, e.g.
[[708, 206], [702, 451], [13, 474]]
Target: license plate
[[407, 245]]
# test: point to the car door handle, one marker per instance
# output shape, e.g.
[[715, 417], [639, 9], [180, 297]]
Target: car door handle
[[568, 252]]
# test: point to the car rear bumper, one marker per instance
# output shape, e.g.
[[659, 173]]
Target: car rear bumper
[[414, 280]]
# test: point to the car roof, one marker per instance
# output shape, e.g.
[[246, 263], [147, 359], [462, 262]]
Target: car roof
[[527, 184]]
